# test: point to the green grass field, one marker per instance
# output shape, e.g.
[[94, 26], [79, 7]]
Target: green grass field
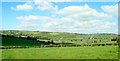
[[81, 52], [93, 52]]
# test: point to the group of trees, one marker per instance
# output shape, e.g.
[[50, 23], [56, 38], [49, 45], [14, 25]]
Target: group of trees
[[115, 39], [13, 47], [30, 38]]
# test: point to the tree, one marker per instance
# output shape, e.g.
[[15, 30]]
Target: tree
[[100, 40], [48, 42], [28, 37], [52, 41], [114, 39], [81, 40]]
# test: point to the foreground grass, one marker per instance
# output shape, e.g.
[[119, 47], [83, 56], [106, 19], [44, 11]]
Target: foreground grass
[[95, 52], [0, 54]]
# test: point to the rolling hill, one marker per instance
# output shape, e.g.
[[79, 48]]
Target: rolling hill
[[22, 38]]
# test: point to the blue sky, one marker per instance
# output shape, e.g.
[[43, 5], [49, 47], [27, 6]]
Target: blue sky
[[78, 17]]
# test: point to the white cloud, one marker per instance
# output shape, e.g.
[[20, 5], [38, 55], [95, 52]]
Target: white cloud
[[29, 22], [33, 18], [82, 26], [83, 13], [59, 23], [112, 9], [65, 24], [66, 0], [25, 25], [45, 5], [94, 26], [83, 0], [28, 18], [81, 19], [24, 7]]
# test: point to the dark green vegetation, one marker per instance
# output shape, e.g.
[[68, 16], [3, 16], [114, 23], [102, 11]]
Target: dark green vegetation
[[9, 41], [92, 52]]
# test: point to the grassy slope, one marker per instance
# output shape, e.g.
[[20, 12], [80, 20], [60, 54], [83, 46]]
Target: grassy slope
[[57, 35], [106, 52], [8, 41], [62, 36]]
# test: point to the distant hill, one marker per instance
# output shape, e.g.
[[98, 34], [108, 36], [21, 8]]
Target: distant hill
[[56, 37]]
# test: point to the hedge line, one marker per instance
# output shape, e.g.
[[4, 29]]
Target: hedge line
[[60, 45]]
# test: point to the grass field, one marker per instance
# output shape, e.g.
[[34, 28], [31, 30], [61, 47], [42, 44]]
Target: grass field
[[93, 52], [0, 54]]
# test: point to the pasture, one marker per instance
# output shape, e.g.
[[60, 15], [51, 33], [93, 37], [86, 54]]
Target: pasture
[[84, 52], [42, 45]]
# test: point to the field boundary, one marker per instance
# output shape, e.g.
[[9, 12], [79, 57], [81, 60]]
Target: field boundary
[[60, 60]]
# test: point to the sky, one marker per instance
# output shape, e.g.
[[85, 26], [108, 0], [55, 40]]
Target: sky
[[75, 17]]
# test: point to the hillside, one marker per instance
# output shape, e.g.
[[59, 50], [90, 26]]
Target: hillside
[[56, 37]]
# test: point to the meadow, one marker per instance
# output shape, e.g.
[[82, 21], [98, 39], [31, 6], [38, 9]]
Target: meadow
[[84, 52], [58, 45]]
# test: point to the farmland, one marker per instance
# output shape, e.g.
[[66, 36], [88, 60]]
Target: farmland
[[12, 37], [58, 45], [97, 52]]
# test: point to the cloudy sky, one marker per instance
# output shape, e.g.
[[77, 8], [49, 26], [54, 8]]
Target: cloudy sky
[[45, 15]]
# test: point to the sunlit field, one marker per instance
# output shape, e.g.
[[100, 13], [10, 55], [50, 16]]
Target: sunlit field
[[91, 52]]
